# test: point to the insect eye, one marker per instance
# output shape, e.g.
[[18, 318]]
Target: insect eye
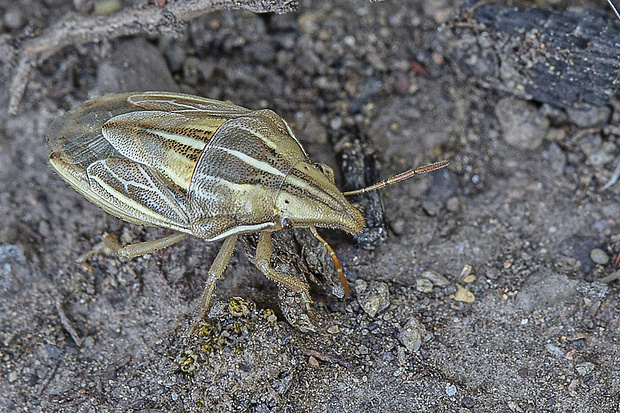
[[319, 167], [287, 223]]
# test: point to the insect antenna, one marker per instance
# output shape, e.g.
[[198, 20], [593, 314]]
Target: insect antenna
[[400, 177]]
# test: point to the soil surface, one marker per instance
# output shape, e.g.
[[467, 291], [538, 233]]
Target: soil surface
[[492, 292]]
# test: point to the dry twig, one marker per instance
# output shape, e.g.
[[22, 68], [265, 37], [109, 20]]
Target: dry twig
[[142, 19], [327, 358]]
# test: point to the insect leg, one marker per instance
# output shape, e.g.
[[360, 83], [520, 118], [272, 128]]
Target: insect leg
[[130, 251], [215, 272], [263, 258], [141, 248], [337, 266]]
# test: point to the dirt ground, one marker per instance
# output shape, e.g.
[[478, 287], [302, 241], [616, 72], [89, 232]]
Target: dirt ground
[[488, 296]]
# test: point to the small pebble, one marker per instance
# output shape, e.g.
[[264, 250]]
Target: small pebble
[[573, 385], [463, 295], [466, 271], [450, 389], [398, 226], [599, 256], [492, 273], [453, 204], [333, 329], [437, 279], [12, 377], [262, 52], [13, 18], [470, 278], [375, 298], [313, 361], [106, 7], [556, 158], [360, 286], [411, 335], [468, 402], [523, 125], [604, 153], [554, 350], [401, 356], [431, 207], [585, 368], [423, 285], [336, 123], [544, 288], [311, 128], [590, 117]]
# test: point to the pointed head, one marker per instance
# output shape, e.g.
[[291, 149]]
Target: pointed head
[[309, 197]]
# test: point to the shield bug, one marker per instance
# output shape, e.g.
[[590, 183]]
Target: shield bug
[[205, 168]]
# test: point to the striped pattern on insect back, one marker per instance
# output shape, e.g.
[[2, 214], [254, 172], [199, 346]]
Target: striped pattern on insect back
[[312, 198], [124, 186], [243, 168], [239, 174], [306, 181], [167, 142], [310, 186]]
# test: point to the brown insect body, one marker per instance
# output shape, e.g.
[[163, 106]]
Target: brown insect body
[[199, 167]]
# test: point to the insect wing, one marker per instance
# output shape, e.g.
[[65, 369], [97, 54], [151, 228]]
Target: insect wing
[[134, 154], [138, 192], [76, 137]]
